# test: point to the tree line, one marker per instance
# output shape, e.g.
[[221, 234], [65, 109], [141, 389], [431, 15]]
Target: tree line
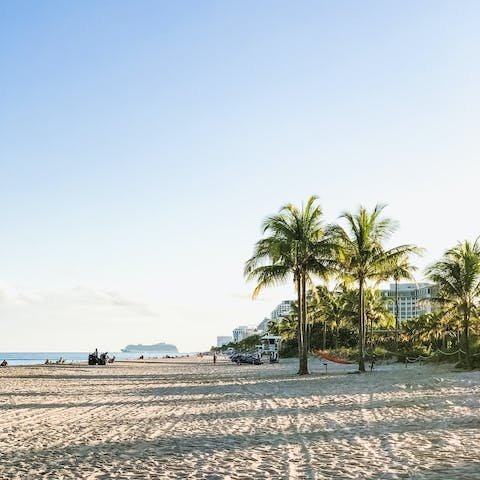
[[351, 255]]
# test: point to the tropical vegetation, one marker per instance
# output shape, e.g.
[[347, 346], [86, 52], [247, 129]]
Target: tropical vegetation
[[294, 246], [336, 271], [362, 257], [457, 276]]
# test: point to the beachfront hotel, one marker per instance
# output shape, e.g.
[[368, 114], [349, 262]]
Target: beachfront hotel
[[279, 311], [282, 309], [412, 299], [243, 331]]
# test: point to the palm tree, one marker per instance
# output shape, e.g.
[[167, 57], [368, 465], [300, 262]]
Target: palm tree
[[402, 270], [457, 276], [296, 246], [362, 257], [436, 329], [433, 330], [377, 312], [330, 309]]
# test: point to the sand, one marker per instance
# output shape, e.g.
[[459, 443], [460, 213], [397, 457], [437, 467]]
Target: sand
[[190, 419]]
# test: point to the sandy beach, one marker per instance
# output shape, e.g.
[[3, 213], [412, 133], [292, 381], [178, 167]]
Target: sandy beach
[[178, 419]]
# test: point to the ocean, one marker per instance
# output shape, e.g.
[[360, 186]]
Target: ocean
[[36, 358]]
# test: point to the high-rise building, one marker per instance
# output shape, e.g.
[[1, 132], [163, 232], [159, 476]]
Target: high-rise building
[[243, 331], [413, 299], [282, 309]]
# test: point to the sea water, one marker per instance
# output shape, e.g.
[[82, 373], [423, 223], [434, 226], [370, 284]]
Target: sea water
[[36, 358]]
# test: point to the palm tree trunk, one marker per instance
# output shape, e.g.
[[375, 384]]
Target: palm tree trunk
[[396, 312], [466, 327], [372, 345], [303, 367], [299, 322], [458, 344], [325, 334], [371, 334], [361, 327]]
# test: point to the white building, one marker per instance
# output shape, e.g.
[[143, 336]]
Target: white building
[[243, 331], [412, 299], [223, 340], [282, 309]]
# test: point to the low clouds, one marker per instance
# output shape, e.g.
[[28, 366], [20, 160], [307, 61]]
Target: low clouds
[[78, 296], [73, 319], [13, 296]]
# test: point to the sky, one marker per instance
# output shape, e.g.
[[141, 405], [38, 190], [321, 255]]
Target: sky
[[142, 143]]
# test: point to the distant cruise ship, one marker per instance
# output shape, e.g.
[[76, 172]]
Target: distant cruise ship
[[157, 347]]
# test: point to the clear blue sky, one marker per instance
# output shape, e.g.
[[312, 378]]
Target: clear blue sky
[[143, 142]]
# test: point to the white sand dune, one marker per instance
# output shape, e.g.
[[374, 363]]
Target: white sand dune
[[189, 419]]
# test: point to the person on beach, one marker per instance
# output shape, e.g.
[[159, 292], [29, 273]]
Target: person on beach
[[4, 363], [214, 358]]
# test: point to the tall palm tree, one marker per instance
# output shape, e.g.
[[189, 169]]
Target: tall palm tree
[[457, 276], [362, 256], [295, 246], [402, 270]]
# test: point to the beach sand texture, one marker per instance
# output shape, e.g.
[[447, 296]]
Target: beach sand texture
[[187, 418]]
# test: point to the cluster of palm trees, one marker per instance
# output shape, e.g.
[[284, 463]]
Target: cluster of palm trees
[[457, 277], [332, 315], [299, 246]]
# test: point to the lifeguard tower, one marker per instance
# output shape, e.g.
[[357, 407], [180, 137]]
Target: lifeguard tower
[[270, 346]]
